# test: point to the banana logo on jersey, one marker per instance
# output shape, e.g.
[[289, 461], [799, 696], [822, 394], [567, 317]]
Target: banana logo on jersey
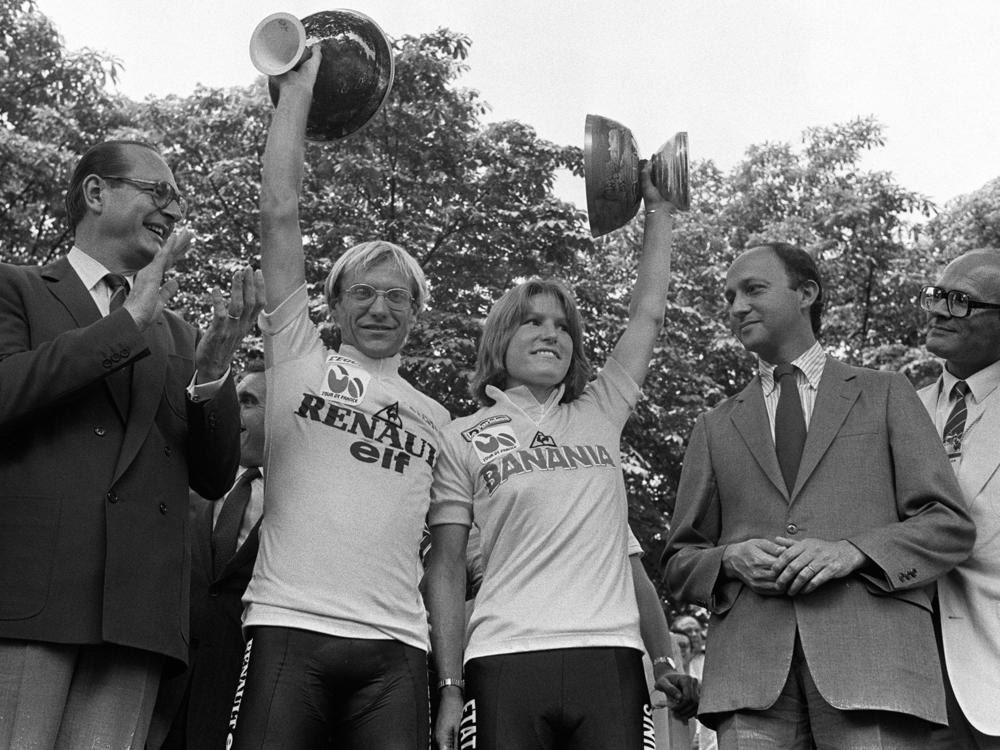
[[345, 380]]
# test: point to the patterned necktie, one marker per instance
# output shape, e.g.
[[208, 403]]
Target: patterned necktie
[[226, 531], [954, 428], [119, 290], [789, 424]]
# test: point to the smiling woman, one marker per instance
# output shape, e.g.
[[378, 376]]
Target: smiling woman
[[538, 471]]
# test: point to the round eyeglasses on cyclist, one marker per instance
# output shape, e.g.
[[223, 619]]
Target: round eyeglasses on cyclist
[[365, 294], [162, 191], [958, 304]]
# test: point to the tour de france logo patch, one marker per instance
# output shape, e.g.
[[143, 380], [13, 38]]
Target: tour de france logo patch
[[345, 380], [492, 437]]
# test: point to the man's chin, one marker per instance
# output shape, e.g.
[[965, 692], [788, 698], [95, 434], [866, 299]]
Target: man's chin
[[378, 349]]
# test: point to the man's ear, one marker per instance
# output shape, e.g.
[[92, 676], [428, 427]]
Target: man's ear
[[808, 292], [93, 193]]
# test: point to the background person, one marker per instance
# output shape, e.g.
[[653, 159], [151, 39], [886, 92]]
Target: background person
[[813, 506], [193, 709], [110, 407], [964, 330]]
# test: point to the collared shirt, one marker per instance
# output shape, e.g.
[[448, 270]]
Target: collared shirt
[[255, 507], [92, 273], [981, 384], [809, 370]]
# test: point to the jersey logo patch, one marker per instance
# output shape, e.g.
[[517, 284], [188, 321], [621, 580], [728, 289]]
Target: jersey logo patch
[[495, 419], [494, 441], [542, 439], [390, 414], [345, 380]]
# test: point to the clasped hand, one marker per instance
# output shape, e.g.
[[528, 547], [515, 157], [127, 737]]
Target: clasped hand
[[682, 693], [786, 566]]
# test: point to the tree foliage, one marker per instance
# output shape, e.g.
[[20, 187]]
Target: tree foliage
[[474, 202], [52, 104]]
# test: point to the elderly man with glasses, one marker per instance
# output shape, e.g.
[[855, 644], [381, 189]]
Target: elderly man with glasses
[[964, 331], [111, 407]]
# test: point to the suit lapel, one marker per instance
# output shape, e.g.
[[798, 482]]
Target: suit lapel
[[245, 554], [980, 459], [148, 376], [751, 422], [836, 395], [66, 286]]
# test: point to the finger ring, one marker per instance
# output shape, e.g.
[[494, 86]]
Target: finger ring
[[232, 317], [810, 569]]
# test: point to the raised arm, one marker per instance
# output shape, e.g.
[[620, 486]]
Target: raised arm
[[649, 295], [282, 258]]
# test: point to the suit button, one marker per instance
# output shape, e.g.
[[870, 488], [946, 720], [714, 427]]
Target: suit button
[[163, 508], [106, 363], [116, 357], [792, 528], [99, 431], [112, 496], [125, 352]]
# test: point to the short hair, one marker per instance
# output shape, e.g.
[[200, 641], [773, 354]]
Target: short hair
[[504, 318], [800, 267], [109, 157], [254, 362], [374, 253]]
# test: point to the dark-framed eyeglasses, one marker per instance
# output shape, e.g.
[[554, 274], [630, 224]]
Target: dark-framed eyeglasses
[[162, 191], [365, 294], [959, 304]]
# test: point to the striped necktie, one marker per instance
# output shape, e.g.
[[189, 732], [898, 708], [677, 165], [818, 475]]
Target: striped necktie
[[954, 428], [119, 290]]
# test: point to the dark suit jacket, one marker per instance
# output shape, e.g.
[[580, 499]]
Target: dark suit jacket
[[872, 472], [93, 501], [192, 709]]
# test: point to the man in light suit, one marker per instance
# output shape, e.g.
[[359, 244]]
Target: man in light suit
[[812, 514], [193, 709], [110, 407], [964, 331]]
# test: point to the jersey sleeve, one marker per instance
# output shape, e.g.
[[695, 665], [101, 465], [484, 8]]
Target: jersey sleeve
[[634, 546], [288, 332], [613, 393], [453, 487]]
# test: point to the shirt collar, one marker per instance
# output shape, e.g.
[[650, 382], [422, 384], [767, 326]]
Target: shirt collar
[[810, 363], [981, 384], [381, 366], [522, 397], [90, 270]]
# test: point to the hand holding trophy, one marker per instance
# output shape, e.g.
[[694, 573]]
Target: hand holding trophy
[[355, 75], [612, 166]]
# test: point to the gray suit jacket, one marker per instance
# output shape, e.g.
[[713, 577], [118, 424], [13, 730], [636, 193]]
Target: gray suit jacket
[[969, 595], [872, 472]]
